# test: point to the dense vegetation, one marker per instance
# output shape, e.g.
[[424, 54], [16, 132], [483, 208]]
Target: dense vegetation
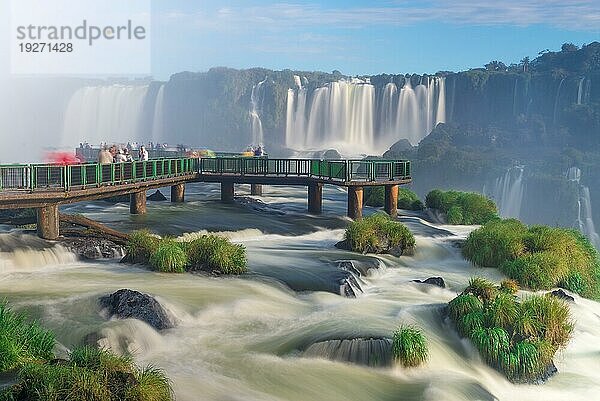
[[379, 234], [208, 253], [462, 207], [409, 346], [89, 374], [407, 199], [516, 338], [538, 257]]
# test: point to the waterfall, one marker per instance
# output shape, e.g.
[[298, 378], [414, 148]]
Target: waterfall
[[104, 114], [585, 221], [515, 97], [255, 110], [348, 116], [557, 100], [507, 192], [580, 90], [158, 120]]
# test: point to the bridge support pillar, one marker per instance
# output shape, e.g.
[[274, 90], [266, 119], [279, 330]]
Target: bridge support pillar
[[227, 191], [137, 203], [178, 193], [48, 222], [315, 198], [256, 189], [355, 202], [391, 200]]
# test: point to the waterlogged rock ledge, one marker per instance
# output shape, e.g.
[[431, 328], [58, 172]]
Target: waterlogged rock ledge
[[93, 248], [129, 304], [437, 281], [375, 352]]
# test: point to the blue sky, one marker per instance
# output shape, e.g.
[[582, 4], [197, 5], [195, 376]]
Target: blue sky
[[363, 37]]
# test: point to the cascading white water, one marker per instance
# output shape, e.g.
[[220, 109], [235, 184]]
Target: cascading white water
[[104, 114], [158, 120], [507, 192], [255, 109], [345, 114], [585, 221], [557, 100]]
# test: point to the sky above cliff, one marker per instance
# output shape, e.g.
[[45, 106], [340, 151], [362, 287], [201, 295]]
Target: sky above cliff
[[364, 37], [358, 36]]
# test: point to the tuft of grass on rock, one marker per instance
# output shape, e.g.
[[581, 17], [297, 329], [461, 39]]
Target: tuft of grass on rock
[[379, 233], [517, 338], [462, 207], [409, 346], [407, 199], [140, 246], [169, 257], [216, 254]]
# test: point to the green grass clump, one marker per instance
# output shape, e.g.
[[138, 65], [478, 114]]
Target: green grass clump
[[22, 341], [90, 374], [377, 234], [407, 199], [509, 286], [409, 346], [169, 257], [516, 338], [462, 207], [537, 257], [140, 246], [209, 252], [216, 254]]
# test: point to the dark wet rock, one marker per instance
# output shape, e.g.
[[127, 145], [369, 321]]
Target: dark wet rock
[[550, 371], [438, 281], [384, 247], [375, 352], [89, 248], [129, 304], [331, 154], [560, 293], [402, 145], [157, 197], [258, 205]]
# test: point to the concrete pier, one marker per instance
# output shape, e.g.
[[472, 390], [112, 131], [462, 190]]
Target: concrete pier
[[227, 191], [178, 193], [256, 189], [137, 203], [315, 198], [48, 222], [391, 200], [355, 202]]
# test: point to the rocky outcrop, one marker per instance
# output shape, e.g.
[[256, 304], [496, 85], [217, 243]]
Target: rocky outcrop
[[383, 247], [157, 197], [437, 281], [129, 304], [93, 248], [561, 294]]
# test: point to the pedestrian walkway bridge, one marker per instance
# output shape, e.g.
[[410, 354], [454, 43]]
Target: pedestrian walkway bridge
[[46, 186]]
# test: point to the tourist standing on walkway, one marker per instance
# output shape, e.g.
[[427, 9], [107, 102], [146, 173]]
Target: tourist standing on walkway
[[143, 155], [104, 156]]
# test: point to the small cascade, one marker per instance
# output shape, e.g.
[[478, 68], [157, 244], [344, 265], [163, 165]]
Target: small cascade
[[515, 97], [256, 98], [557, 100], [158, 120], [349, 114], [25, 253], [375, 352], [507, 191], [110, 113], [580, 90], [585, 221], [350, 284]]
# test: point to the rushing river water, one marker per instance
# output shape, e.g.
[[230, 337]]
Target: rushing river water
[[243, 338]]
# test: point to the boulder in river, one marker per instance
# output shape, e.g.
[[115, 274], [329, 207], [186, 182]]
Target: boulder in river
[[438, 281], [157, 197], [129, 304], [560, 293]]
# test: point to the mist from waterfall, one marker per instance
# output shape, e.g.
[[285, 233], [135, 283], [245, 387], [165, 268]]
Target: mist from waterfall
[[158, 121], [351, 116], [507, 191], [256, 98], [109, 113], [585, 221]]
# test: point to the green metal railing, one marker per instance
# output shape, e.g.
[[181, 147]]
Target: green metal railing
[[34, 177], [333, 170]]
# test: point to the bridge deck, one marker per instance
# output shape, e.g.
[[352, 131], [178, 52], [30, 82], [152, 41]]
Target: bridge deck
[[39, 185]]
